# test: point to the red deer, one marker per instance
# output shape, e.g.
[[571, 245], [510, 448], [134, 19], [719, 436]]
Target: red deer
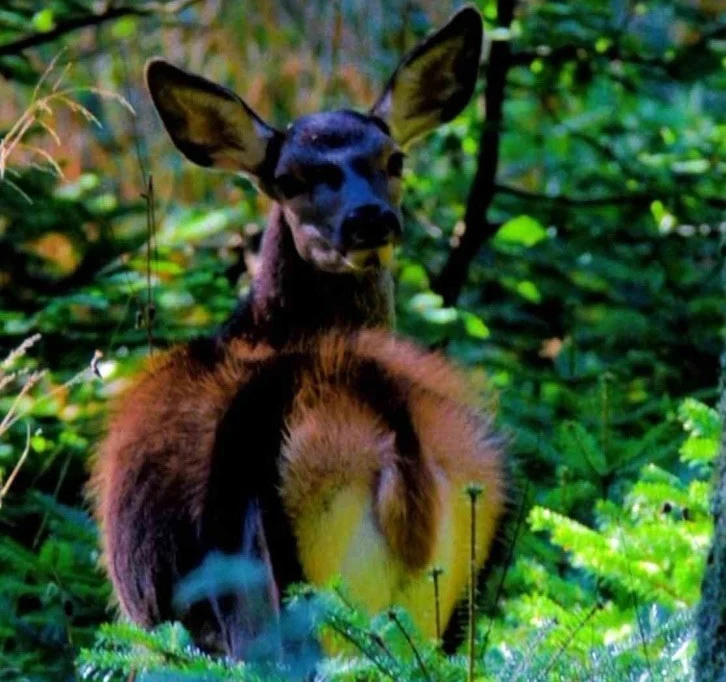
[[305, 436]]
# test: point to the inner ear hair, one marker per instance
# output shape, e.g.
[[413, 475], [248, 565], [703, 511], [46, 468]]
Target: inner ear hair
[[435, 81], [208, 123]]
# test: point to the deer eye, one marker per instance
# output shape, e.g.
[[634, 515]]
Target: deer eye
[[324, 174], [395, 164], [290, 186]]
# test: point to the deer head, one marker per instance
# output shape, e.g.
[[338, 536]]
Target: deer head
[[336, 175]]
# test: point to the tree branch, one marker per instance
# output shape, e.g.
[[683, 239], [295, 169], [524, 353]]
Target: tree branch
[[35, 39], [679, 66], [634, 198], [477, 226], [88, 20]]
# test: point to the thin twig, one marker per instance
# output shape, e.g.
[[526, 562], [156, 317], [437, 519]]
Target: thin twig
[[378, 641], [150, 238], [394, 617], [56, 491], [533, 646], [636, 603], [373, 636], [564, 646], [140, 161], [564, 200], [358, 645], [473, 491], [435, 573]]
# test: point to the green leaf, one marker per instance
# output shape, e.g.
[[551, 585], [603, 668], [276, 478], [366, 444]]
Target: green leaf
[[474, 325], [43, 21], [529, 291], [699, 450], [699, 419], [439, 315], [703, 425], [691, 166], [426, 300], [124, 28], [413, 275], [578, 443], [523, 230]]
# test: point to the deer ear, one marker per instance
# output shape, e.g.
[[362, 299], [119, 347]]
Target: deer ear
[[209, 124], [434, 81]]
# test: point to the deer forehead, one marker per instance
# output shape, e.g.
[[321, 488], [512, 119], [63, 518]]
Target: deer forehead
[[333, 136]]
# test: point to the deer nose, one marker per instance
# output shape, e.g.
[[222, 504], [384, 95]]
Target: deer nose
[[369, 226]]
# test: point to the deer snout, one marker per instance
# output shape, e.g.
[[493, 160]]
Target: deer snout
[[370, 226]]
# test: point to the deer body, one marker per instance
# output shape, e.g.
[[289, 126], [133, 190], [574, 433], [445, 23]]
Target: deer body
[[306, 441], [358, 437]]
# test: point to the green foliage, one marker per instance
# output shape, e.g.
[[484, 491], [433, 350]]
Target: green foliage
[[165, 654], [627, 599], [595, 311], [623, 610], [52, 593]]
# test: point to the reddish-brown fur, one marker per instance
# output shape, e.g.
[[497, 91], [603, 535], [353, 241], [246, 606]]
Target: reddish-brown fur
[[164, 423], [150, 483]]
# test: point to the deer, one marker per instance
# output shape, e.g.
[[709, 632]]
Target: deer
[[305, 438]]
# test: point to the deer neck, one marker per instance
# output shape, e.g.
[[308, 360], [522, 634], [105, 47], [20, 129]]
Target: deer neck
[[291, 300]]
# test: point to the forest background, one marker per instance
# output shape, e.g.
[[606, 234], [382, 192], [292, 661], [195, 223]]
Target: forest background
[[563, 242]]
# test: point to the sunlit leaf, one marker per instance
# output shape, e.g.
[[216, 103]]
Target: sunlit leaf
[[523, 230]]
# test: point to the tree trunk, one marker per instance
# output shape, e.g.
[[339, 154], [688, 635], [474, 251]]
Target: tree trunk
[[711, 624]]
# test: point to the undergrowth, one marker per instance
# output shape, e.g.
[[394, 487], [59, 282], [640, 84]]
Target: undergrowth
[[621, 609]]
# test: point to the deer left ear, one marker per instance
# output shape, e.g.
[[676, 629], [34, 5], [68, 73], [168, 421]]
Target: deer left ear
[[435, 81]]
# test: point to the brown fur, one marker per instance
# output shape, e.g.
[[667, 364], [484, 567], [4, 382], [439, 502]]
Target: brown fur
[[291, 300], [153, 466], [335, 442], [150, 480]]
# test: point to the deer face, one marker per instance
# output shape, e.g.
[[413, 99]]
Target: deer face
[[337, 175], [338, 179]]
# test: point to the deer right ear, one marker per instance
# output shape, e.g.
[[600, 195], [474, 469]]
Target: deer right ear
[[209, 124], [434, 81]]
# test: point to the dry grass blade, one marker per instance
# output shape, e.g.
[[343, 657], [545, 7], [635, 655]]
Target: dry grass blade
[[49, 129], [48, 70], [52, 163], [12, 415], [16, 469], [40, 108], [6, 378], [19, 351]]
